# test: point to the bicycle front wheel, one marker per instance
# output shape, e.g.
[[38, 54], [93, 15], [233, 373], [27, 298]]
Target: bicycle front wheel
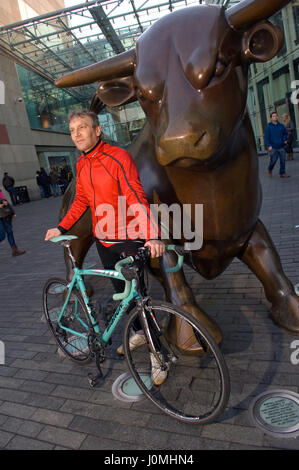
[[71, 333], [195, 388]]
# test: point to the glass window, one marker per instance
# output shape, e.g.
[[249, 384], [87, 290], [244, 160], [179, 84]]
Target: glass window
[[262, 90], [277, 19], [47, 106], [296, 20], [121, 125]]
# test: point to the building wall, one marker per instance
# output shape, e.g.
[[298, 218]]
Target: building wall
[[20, 146], [270, 83], [18, 154], [12, 11]]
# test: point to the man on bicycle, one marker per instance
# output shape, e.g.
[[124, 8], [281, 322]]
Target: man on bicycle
[[108, 183]]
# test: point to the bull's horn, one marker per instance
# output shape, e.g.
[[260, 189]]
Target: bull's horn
[[121, 65], [248, 12]]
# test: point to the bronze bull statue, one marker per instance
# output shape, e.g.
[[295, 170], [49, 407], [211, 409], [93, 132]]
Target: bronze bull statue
[[189, 72]]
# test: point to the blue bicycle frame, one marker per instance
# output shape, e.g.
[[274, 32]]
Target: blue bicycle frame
[[127, 296], [130, 293]]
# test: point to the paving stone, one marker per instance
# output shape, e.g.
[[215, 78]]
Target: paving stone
[[179, 442], [25, 443], [12, 395], [30, 429], [3, 418], [124, 433], [51, 403], [72, 393], [16, 409], [96, 443], [37, 387], [54, 418], [6, 371], [5, 437], [281, 443], [10, 382], [162, 421], [31, 374], [63, 437], [12, 424], [68, 379], [234, 446], [44, 397], [237, 434]]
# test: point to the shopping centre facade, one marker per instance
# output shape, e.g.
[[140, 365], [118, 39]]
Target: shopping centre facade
[[39, 44]]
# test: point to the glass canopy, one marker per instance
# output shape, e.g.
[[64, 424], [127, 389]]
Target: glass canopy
[[59, 42], [48, 46]]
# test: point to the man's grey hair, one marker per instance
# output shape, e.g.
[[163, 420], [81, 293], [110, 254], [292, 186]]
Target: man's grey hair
[[79, 113]]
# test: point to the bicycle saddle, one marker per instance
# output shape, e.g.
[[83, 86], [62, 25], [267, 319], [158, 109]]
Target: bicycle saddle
[[62, 238]]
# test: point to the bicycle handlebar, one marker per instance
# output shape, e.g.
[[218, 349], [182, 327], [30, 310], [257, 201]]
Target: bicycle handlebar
[[178, 249], [118, 267], [180, 252]]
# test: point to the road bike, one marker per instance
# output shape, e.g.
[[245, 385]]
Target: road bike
[[187, 379]]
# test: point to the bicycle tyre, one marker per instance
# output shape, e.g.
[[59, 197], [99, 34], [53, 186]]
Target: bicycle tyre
[[73, 346], [187, 391]]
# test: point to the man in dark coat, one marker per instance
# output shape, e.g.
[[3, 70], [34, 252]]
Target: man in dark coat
[[8, 183]]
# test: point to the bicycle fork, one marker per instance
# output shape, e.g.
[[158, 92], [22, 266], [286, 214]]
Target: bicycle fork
[[154, 335]]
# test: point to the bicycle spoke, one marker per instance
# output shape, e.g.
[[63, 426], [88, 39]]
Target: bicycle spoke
[[196, 387], [74, 320]]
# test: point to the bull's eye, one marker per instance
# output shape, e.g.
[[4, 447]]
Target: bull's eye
[[220, 68]]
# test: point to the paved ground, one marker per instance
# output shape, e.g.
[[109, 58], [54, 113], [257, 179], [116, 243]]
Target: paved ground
[[45, 400]]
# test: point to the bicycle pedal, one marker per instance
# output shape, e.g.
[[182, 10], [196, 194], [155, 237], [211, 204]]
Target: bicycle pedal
[[94, 380]]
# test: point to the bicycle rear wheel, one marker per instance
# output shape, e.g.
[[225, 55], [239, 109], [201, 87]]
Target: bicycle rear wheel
[[197, 388], [75, 317]]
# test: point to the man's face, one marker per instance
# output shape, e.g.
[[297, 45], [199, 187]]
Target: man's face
[[275, 118], [83, 134]]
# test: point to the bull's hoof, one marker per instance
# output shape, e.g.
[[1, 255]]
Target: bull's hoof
[[286, 314], [181, 334]]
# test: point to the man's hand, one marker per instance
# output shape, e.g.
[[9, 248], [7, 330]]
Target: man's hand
[[270, 148], [52, 232], [156, 247]]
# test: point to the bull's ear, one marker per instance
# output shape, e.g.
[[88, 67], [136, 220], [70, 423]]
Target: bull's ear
[[262, 42], [117, 92], [96, 104]]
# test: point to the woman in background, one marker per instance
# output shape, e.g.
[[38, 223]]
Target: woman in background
[[290, 127], [6, 216]]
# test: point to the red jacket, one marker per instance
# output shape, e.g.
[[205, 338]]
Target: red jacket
[[108, 183]]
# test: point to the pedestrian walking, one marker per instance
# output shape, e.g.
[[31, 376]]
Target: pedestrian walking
[[45, 182], [9, 184], [38, 182], [275, 140], [6, 215], [290, 127]]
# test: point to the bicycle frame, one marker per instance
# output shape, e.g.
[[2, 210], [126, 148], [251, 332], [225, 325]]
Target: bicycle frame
[[119, 312], [130, 292]]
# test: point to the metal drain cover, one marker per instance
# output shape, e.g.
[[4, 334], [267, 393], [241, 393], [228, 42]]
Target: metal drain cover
[[125, 388], [276, 412]]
